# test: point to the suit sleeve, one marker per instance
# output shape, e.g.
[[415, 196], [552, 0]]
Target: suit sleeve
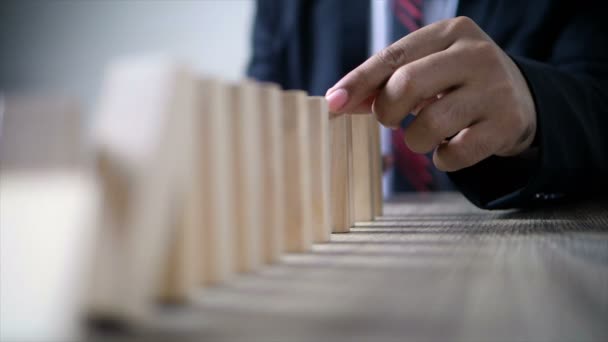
[[265, 62], [569, 157]]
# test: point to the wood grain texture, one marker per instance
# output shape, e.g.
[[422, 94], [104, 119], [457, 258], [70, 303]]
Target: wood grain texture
[[433, 268], [273, 175], [341, 200], [320, 168], [377, 173], [298, 212], [216, 133], [361, 140], [247, 172]]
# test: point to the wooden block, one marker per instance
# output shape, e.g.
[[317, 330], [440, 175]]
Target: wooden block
[[145, 134], [48, 206], [273, 175], [298, 211], [40, 132], [341, 158], [320, 168], [218, 241], [362, 167], [47, 229], [376, 155], [247, 171]]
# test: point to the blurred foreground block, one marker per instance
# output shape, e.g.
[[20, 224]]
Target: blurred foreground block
[[273, 175], [149, 240], [48, 203]]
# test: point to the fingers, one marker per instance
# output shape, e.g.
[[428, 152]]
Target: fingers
[[444, 118], [415, 83], [363, 81], [467, 148]]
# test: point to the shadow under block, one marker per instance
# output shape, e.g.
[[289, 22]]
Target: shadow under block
[[362, 167], [298, 211], [320, 168], [273, 175], [377, 173], [144, 141], [340, 173], [247, 171], [218, 230]]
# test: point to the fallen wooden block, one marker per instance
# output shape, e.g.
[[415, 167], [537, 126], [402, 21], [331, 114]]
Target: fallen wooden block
[[273, 175], [362, 167], [341, 161], [320, 168], [248, 192], [145, 138], [298, 211]]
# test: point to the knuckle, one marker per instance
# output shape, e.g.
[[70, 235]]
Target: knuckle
[[413, 141], [441, 160], [404, 80], [392, 56], [380, 109], [416, 140], [460, 25]]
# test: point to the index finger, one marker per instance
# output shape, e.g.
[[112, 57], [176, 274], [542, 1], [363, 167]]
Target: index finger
[[360, 84]]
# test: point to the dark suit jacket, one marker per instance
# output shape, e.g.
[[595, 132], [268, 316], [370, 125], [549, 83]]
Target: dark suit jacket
[[561, 47]]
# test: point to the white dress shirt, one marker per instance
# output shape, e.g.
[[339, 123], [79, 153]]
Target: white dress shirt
[[432, 11]]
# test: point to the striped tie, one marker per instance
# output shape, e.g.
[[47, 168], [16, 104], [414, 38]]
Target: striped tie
[[412, 168]]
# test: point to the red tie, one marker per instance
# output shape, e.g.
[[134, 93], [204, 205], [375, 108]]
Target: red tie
[[415, 168]]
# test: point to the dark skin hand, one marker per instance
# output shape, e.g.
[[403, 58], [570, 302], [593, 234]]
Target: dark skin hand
[[457, 82]]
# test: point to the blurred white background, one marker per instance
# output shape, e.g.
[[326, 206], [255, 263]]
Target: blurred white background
[[62, 47]]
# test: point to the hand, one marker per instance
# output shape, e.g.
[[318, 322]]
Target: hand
[[457, 82]]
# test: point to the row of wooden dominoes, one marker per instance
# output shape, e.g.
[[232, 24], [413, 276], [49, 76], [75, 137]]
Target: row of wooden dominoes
[[202, 179]]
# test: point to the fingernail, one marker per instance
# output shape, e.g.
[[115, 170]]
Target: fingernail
[[337, 99]]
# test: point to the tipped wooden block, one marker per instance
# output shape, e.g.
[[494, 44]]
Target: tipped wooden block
[[218, 241], [248, 192], [320, 168], [298, 211], [376, 156], [362, 167], [144, 134], [273, 175], [341, 159]]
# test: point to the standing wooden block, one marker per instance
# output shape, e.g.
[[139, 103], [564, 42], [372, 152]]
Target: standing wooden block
[[248, 192], [362, 168], [216, 134], [320, 168], [298, 211], [341, 158], [144, 136], [376, 155], [273, 175]]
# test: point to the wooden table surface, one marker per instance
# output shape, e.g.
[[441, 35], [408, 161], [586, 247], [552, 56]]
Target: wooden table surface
[[434, 268]]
